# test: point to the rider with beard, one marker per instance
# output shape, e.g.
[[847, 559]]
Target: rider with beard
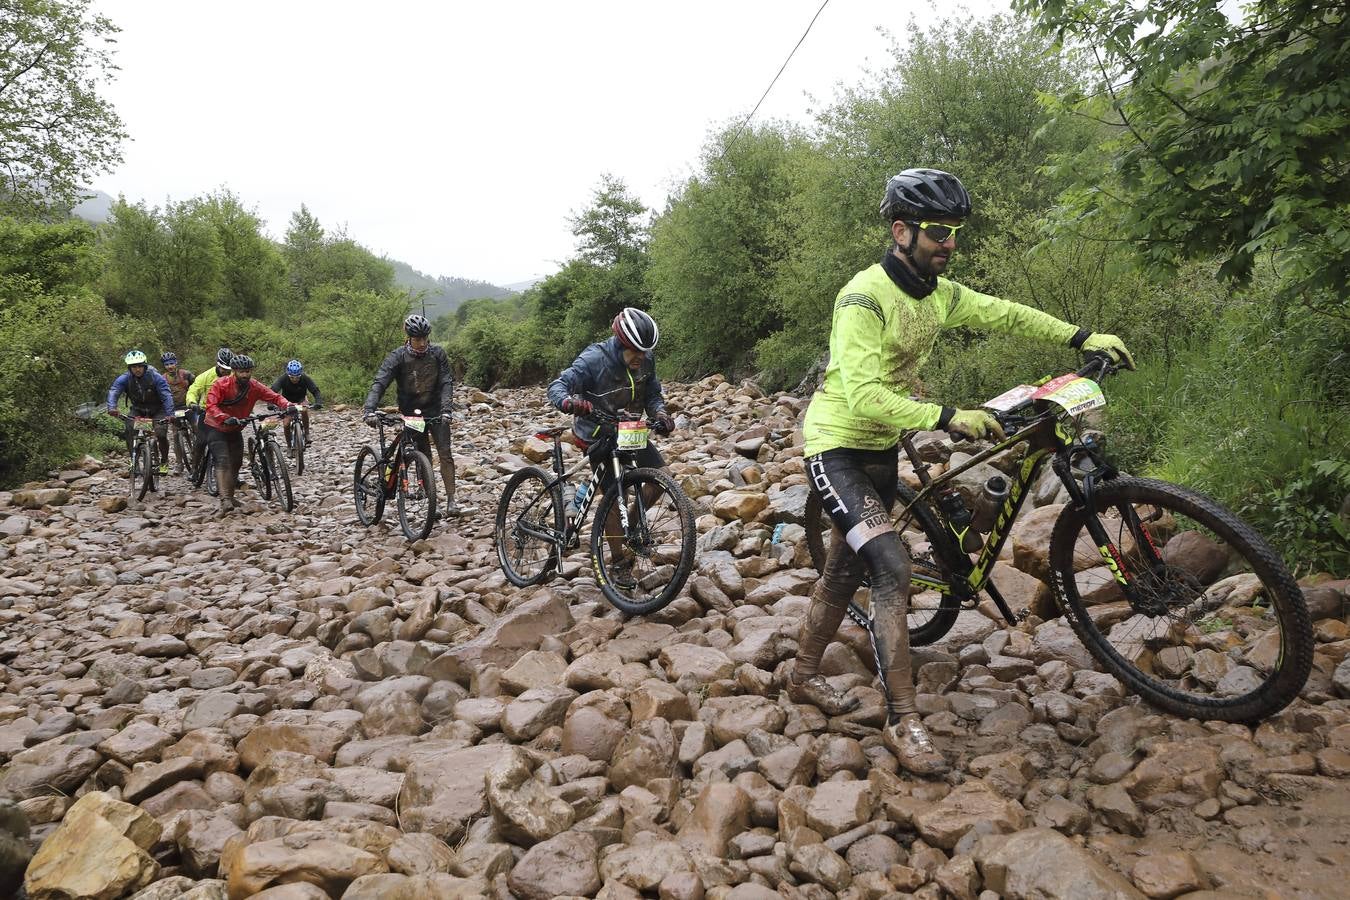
[[422, 371], [885, 323], [231, 399]]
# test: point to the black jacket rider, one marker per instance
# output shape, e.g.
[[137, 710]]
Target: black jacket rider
[[424, 382]]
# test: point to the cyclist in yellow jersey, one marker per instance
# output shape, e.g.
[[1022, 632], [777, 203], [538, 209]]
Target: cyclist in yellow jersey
[[196, 399], [885, 323]]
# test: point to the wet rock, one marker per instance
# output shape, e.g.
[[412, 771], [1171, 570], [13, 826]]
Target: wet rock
[[969, 804], [1167, 875], [566, 864], [99, 851], [721, 812], [523, 810], [1040, 864]]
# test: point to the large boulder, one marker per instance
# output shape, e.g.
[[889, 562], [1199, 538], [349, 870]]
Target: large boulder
[[1042, 864], [503, 643], [442, 792], [100, 851]]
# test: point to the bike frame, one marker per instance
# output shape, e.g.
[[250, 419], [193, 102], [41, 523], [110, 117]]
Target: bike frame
[[390, 452], [620, 462], [1047, 440]]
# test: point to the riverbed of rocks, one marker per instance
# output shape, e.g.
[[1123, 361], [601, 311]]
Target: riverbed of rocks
[[293, 706]]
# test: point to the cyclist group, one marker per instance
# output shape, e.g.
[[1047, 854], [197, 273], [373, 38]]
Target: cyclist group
[[884, 325], [216, 402]]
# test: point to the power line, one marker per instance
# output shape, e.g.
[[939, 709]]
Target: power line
[[746, 120]]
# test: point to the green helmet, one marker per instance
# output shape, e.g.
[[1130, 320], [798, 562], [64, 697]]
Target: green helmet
[[135, 358]]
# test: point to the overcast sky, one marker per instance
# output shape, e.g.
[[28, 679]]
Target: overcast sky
[[460, 136]]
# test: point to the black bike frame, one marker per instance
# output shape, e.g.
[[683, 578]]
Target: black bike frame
[[620, 461], [1048, 440], [389, 452]]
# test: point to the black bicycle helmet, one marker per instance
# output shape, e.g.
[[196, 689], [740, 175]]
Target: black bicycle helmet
[[242, 362], [417, 326], [635, 329], [917, 194], [223, 357]]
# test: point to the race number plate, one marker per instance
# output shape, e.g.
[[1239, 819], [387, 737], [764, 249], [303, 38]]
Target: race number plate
[[179, 413], [1073, 393], [416, 423], [144, 424], [1011, 399], [632, 436]]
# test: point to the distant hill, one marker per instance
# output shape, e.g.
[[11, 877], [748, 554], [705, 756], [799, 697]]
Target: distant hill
[[96, 209], [444, 293]]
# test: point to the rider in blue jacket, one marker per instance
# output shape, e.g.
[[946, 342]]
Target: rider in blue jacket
[[149, 396]]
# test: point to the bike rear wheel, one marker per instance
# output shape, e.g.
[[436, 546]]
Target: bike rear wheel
[[280, 477], [1182, 601], [368, 487], [527, 502], [416, 496], [655, 555], [931, 613]]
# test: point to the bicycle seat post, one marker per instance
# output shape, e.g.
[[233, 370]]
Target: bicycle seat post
[[920, 467]]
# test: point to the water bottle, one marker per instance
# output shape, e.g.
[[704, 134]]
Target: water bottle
[[580, 499], [991, 501], [777, 533], [957, 514]]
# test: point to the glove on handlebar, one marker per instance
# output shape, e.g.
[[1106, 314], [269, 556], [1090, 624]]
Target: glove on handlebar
[[1111, 345], [577, 405], [663, 423], [231, 421], [371, 418], [974, 424]]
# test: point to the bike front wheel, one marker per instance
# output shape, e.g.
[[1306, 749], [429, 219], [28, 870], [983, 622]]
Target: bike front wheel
[[368, 487], [527, 510], [280, 477], [212, 483], [643, 567], [140, 471], [297, 441], [180, 447], [258, 469], [932, 611], [416, 496], [1182, 601]]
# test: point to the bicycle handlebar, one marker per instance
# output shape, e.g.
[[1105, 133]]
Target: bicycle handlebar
[[1096, 366]]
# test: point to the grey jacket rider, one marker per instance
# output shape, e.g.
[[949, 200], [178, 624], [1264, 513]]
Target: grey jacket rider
[[600, 375], [424, 382]]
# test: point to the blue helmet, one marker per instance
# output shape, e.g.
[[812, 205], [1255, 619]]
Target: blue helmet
[[294, 368]]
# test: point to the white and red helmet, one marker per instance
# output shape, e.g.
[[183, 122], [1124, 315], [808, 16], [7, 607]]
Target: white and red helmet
[[635, 329]]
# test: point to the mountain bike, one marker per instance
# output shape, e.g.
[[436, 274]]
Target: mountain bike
[[182, 439], [144, 457], [397, 469], [639, 569], [1174, 595], [296, 439], [265, 460]]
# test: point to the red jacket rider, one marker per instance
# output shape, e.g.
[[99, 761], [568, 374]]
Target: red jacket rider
[[225, 400]]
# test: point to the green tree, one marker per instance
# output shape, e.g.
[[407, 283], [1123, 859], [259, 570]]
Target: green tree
[[252, 271], [715, 249], [55, 129], [1230, 134]]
